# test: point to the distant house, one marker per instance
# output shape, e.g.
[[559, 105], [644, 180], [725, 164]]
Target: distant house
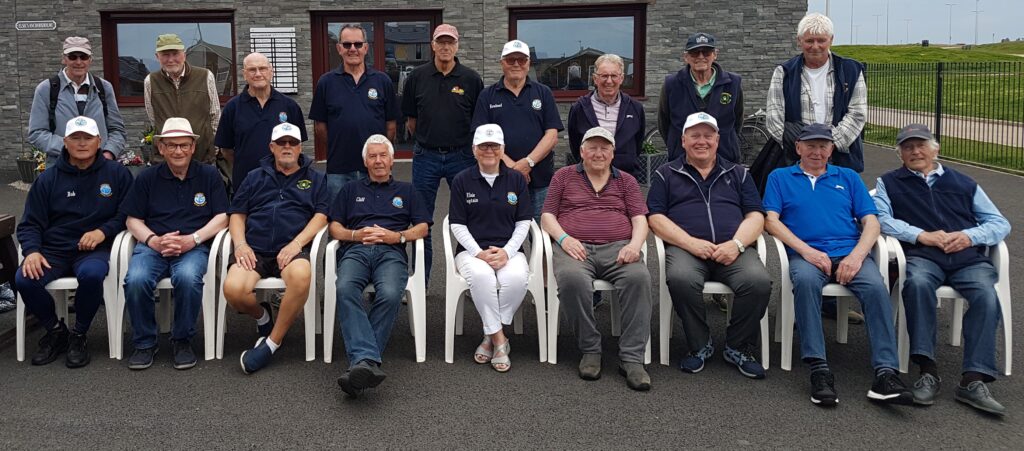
[[217, 59], [132, 75]]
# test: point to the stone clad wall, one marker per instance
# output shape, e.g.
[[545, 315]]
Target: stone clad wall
[[753, 37]]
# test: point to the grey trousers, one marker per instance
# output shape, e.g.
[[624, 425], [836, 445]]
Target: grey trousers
[[576, 294], [747, 278]]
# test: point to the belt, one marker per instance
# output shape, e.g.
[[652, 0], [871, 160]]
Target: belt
[[442, 150]]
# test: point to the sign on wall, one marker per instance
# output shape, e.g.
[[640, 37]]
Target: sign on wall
[[278, 44], [35, 25]]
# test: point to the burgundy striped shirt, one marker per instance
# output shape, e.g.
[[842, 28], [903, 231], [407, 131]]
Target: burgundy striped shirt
[[594, 217]]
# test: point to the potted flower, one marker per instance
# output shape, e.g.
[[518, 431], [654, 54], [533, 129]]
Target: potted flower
[[652, 155], [133, 161], [30, 164], [146, 145]]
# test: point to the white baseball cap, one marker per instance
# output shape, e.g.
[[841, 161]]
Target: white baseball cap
[[176, 127], [700, 118], [285, 129], [489, 133], [81, 124], [599, 132], [515, 46]]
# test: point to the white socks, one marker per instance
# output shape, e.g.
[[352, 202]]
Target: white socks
[[263, 319], [273, 346]]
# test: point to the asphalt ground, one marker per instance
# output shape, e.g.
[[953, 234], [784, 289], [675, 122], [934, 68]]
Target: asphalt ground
[[297, 404]]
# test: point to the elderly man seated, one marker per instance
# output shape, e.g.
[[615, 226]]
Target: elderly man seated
[[814, 208], [944, 221], [598, 217], [713, 246], [71, 218], [373, 218], [276, 213], [174, 208]]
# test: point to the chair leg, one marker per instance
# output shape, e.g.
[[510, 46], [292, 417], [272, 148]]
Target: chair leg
[[419, 310], [786, 359], [765, 352], [453, 303], [842, 319], [903, 335], [163, 311], [958, 322], [222, 307], [553, 306], [664, 325], [1003, 294], [309, 320], [330, 309], [209, 321], [459, 313], [517, 320], [542, 329], [20, 324]]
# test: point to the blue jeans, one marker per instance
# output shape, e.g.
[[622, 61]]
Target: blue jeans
[[976, 282], [870, 290], [336, 181], [146, 268], [537, 196], [366, 333], [428, 167], [90, 268]]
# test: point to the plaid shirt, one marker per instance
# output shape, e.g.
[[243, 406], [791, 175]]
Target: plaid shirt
[[848, 129]]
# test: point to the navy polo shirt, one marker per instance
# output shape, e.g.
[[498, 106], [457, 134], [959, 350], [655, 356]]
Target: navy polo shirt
[[393, 205], [826, 216], [490, 212], [277, 206], [245, 127], [167, 204], [352, 111], [524, 119]]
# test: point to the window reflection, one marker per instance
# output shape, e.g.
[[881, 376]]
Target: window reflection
[[564, 63], [207, 45]]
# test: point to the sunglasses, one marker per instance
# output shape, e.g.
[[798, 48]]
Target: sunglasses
[[513, 60], [75, 56], [287, 142], [706, 52], [349, 45]]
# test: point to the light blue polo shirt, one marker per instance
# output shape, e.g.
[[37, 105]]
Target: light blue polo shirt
[[824, 216]]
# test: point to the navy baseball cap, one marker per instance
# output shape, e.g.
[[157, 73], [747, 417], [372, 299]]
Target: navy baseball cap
[[698, 40], [912, 131], [815, 131]]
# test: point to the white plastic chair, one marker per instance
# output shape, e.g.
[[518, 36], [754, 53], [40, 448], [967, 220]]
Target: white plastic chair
[[456, 286], [710, 287], [416, 294], [1000, 256], [785, 319], [310, 312], [599, 285], [59, 290], [164, 287]]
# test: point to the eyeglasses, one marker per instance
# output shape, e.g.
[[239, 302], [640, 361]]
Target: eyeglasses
[[349, 45], [608, 76], [173, 147], [254, 70], [513, 60], [445, 43], [703, 51], [75, 56], [288, 142], [493, 147]]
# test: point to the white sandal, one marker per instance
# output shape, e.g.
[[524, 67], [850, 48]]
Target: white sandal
[[500, 357], [482, 355]]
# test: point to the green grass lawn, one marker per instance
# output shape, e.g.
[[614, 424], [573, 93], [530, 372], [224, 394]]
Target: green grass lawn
[[1005, 158], [917, 54]]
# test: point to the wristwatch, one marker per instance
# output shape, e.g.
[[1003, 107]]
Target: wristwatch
[[739, 245], [530, 162], [401, 237], [195, 237]]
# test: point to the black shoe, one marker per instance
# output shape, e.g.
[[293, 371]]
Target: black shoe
[[345, 382], [141, 358], [184, 356], [636, 376], [53, 344], [78, 351], [823, 389], [365, 374], [889, 388]]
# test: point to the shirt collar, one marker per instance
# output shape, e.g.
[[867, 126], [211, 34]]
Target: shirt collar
[[502, 170], [64, 73], [501, 84], [597, 98], [711, 81], [249, 97], [937, 172], [164, 171], [579, 169], [830, 169], [184, 68], [368, 182], [456, 69]]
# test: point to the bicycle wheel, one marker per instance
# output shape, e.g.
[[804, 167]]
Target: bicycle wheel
[[753, 136]]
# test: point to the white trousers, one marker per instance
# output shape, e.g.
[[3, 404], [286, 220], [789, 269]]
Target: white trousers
[[497, 294]]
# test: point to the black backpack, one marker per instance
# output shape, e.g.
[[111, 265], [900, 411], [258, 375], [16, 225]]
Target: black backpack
[[55, 91]]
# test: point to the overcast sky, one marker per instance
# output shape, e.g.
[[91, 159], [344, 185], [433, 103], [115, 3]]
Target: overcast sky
[[929, 19]]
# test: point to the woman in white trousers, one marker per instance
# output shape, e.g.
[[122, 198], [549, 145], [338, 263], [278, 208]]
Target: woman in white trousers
[[490, 215]]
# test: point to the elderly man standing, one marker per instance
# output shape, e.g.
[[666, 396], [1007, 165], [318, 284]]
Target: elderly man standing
[[275, 214], [249, 117], [598, 217], [526, 111], [351, 103], [944, 221], [71, 218], [814, 208], [701, 86], [612, 109], [438, 100], [713, 246], [70, 93], [173, 209], [179, 89], [373, 218]]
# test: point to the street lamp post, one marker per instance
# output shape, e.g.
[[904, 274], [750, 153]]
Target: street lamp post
[[908, 29], [877, 16], [950, 5]]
